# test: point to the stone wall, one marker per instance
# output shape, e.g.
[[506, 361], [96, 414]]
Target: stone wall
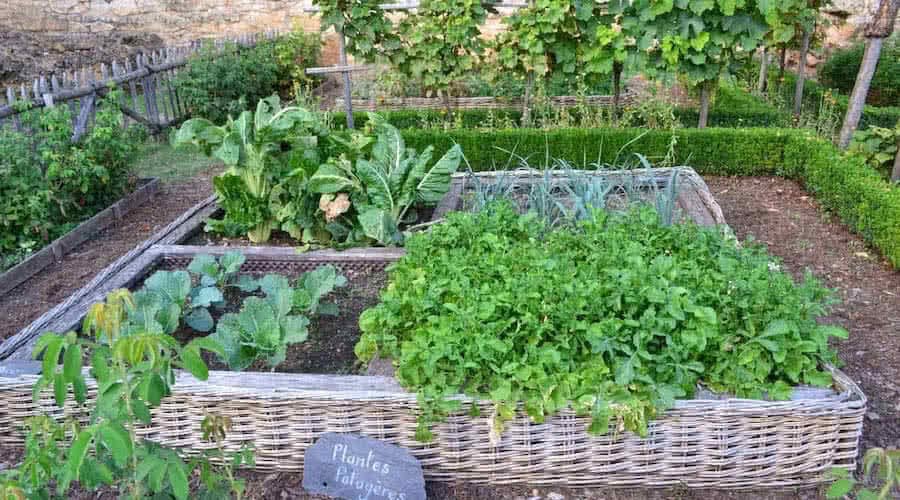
[[40, 36]]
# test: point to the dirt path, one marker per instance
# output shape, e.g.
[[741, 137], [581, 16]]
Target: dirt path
[[25, 303]]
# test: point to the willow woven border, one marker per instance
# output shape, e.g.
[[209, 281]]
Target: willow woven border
[[627, 98], [730, 443]]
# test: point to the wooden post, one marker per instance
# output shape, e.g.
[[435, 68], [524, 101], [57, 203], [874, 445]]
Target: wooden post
[[348, 106], [11, 99]]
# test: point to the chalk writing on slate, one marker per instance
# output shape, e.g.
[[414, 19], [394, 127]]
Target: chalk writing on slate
[[356, 467]]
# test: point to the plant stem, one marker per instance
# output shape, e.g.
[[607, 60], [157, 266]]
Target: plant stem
[[801, 72]]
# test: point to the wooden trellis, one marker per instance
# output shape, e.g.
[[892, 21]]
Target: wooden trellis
[[148, 80]]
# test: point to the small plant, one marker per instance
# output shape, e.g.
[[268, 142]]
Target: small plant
[[881, 477], [221, 484], [878, 146], [133, 366], [384, 183], [266, 326]]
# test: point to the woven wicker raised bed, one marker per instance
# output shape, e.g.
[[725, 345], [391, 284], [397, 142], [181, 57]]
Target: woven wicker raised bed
[[398, 103], [706, 442]]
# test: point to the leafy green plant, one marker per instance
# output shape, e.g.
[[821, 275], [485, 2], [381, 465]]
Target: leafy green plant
[[881, 470], [225, 81], [841, 67], [215, 277], [294, 52], [133, 367], [269, 155], [44, 452], [266, 326], [384, 183], [48, 184], [367, 30], [878, 146], [616, 317], [215, 484], [440, 42]]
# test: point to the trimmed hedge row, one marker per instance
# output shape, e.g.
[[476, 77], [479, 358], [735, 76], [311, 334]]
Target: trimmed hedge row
[[858, 194], [732, 108]]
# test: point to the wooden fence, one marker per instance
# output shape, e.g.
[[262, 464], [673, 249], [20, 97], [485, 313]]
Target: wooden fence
[[148, 81], [380, 103]]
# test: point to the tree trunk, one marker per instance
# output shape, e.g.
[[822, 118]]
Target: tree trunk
[[705, 89], [895, 174], [617, 88], [801, 72], [782, 62], [526, 100], [763, 71], [348, 106], [860, 90]]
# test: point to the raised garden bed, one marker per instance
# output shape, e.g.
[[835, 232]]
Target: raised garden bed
[[489, 102], [55, 251], [712, 441]]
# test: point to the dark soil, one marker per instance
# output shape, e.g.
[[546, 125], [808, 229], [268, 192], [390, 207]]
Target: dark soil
[[24, 304], [780, 214], [329, 347]]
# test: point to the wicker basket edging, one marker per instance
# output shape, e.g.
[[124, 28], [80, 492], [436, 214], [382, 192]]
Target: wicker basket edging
[[711, 443]]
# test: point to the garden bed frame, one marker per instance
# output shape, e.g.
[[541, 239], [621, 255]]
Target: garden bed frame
[[55, 251], [626, 98], [708, 442]]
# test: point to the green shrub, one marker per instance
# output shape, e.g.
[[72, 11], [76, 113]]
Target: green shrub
[[219, 83], [839, 72], [48, 184], [617, 317], [734, 107]]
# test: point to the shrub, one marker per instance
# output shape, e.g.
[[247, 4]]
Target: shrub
[[619, 316], [840, 70], [48, 184], [219, 83]]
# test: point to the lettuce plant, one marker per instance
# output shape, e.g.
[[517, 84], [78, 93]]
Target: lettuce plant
[[615, 317], [266, 326]]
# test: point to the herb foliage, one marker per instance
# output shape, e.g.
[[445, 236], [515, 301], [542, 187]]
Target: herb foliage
[[617, 317]]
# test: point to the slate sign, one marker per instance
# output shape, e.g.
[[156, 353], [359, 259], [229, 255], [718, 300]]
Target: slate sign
[[360, 468]]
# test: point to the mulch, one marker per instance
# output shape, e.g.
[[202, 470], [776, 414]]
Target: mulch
[[775, 212]]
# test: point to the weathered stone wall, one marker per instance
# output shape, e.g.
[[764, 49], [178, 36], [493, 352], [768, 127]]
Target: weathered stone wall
[[40, 36], [174, 21]]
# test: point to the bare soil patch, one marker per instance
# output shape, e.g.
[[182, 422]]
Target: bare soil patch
[[25, 303]]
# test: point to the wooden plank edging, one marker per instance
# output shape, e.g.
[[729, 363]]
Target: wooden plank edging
[[55, 251]]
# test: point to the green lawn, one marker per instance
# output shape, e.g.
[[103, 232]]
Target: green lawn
[[160, 159]]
